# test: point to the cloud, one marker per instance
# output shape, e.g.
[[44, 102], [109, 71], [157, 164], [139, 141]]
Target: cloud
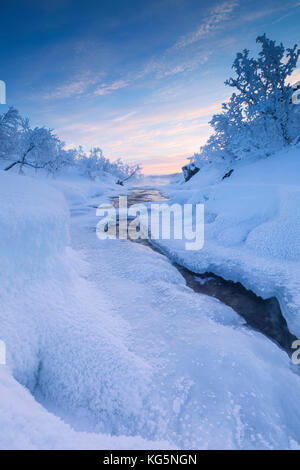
[[181, 58], [268, 11], [172, 61], [176, 59], [218, 15], [76, 87], [81, 86], [107, 89], [124, 117], [68, 89], [158, 135], [174, 64]]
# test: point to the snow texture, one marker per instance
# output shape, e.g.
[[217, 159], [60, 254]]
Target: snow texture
[[108, 347]]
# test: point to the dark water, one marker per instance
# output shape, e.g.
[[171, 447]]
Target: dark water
[[263, 315], [139, 196]]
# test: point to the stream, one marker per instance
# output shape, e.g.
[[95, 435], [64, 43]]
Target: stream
[[263, 315]]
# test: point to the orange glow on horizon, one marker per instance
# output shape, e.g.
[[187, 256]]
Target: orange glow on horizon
[[166, 167]]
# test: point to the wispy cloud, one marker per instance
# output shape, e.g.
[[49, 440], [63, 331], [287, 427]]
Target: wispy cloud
[[173, 61], [106, 89], [290, 7], [176, 59], [83, 85], [268, 11], [216, 17], [295, 77], [76, 87], [165, 132], [141, 82], [68, 89], [124, 117]]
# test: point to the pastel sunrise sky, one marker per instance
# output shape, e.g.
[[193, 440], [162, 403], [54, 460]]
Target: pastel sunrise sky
[[139, 78]]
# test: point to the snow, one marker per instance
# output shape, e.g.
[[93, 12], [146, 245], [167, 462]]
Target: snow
[[78, 189], [108, 348], [215, 383], [27, 425], [252, 226], [106, 345], [61, 339]]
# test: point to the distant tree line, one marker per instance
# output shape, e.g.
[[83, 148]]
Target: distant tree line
[[39, 148]]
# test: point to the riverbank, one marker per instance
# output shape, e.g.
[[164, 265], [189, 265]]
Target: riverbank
[[122, 347], [252, 226]]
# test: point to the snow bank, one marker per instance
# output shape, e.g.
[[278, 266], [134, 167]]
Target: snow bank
[[216, 384], [79, 189], [62, 340], [27, 425], [33, 226], [252, 227], [127, 349], [257, 206]]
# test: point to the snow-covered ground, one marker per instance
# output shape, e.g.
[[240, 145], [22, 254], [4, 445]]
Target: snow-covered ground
[[108, 348], [252, 227], [62, 340]]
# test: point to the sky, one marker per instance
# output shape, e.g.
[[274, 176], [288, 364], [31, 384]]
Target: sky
[[139, 78]]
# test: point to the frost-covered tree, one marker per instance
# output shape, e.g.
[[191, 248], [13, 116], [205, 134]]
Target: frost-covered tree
[[259, 117], [39, 148], [91, 165], [61, 158], [96, 165], [264, 93], [10, 127], [126, 172], [36, 148]]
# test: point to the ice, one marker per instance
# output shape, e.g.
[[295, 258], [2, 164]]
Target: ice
[[108, 347], [252, 226], [27, 425], [62, 340], [215, 383]]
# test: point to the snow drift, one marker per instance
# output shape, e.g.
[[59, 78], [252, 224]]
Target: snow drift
[[252, 226], [215, 383], [125, 349], [61, 340]]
